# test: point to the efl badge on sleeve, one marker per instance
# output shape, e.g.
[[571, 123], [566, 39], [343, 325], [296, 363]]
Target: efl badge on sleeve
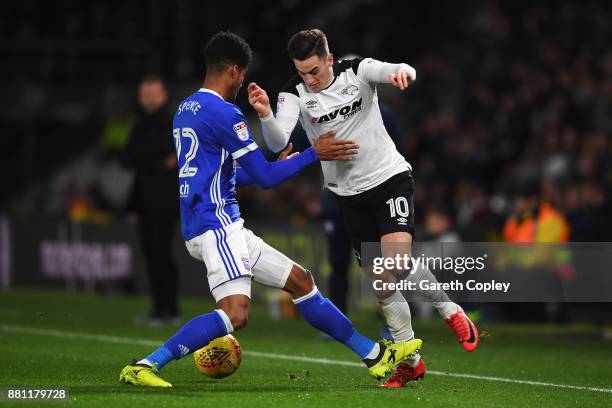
[[241, 130]]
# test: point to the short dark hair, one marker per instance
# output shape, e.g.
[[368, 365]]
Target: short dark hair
[[226, 48], [306, 43]]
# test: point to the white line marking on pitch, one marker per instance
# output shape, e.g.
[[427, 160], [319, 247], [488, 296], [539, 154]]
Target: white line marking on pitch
[[154, 343]]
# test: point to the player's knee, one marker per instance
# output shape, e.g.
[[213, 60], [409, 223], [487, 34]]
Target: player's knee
[[300, 282], [240, 321], [239, 318], [237, 313]]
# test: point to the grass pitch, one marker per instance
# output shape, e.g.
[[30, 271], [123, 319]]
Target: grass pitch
[[53, 339]]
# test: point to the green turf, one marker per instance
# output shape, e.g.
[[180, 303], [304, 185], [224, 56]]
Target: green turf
[[90, 368]]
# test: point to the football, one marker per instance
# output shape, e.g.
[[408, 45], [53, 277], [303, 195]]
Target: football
[[220, 358]]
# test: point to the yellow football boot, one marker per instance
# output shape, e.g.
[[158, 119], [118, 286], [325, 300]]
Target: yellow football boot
[[391, 354], [142, 374]]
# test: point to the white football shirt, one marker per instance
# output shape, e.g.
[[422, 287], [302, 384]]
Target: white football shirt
[[349, 105]]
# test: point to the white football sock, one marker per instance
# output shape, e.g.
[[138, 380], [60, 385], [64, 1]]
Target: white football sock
[[396, 313], [414, 360], [438, 298], [446, 309]]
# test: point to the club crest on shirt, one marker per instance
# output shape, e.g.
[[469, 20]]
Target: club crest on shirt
[[241, 130], [349, 90]]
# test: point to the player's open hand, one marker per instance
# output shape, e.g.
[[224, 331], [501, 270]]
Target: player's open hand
[[258, 98], [327, 148], [402, 78], [286, 154]]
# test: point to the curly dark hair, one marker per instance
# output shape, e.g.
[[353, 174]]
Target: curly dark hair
[[226, 48]]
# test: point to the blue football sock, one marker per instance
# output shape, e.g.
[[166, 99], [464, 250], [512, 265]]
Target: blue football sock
[[194, 335], [160, 357], [360, 344], [322, 314]]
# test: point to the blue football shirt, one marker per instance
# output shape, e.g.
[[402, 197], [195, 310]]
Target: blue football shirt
[[209, 134]]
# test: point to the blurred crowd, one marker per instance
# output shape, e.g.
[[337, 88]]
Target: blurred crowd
[[521, 113], [510, 120]]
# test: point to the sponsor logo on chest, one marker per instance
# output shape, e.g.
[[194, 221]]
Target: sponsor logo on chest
[[343, 112]]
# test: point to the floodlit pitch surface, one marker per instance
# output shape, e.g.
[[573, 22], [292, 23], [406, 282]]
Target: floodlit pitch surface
[[52, 339]]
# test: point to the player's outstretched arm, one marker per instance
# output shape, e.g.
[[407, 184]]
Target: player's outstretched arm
[[277, 129], [269, 174], [243, 178], [398, 75]]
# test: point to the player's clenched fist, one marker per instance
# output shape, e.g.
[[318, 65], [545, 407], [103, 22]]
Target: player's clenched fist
[[402, 78], [328, 148], [258, 98]]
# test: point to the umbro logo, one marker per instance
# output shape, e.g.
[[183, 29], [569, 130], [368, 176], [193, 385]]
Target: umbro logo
[[402, 221], [311, 104]]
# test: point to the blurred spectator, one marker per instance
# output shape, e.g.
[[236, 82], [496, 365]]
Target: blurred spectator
[[150, 152], [534, 220], [588, 210], [438, 226]]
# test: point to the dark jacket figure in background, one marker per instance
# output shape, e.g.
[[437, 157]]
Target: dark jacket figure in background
[[150, 151]]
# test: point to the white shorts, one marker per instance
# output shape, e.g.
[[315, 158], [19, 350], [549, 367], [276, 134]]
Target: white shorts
[[233, 256]]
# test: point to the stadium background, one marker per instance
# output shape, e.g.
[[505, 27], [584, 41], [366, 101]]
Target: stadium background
[[510, 98]]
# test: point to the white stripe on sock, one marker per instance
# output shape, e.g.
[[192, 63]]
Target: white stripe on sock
[[374, 352], [228, 323], [307, 296]]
